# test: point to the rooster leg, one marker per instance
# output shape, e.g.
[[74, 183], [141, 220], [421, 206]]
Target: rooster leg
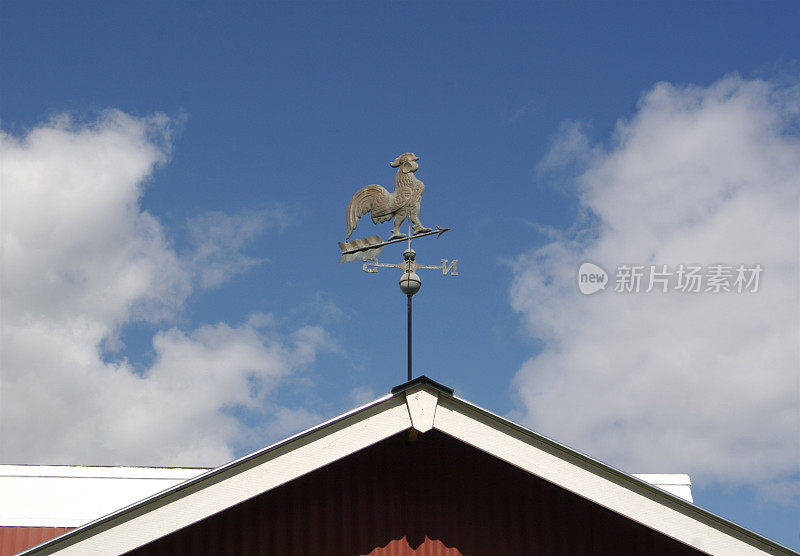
[[417, 224], [398, 219]]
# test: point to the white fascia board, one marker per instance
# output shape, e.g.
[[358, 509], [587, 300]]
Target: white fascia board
[[234, 483], [597, 482]]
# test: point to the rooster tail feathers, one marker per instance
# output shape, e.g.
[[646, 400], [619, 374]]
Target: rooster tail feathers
[[365, 200]]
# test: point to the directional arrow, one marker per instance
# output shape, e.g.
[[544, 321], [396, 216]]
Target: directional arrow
[[357, 246]]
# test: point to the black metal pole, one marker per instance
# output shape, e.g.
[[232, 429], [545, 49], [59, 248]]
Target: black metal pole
[[409, 338]]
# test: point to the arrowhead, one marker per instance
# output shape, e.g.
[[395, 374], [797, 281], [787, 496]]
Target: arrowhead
[[440, 230]]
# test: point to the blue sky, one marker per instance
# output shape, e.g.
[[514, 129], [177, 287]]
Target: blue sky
[[176, 180]]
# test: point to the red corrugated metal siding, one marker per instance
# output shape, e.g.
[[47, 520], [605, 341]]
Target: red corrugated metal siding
[[16, 539], [434, 497]]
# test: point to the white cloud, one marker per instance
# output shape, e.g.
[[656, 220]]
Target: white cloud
[[699, 383], [361, 395], [515, 115], [74, 239], [291, 420], [80, 260], [570, 148], [219, 238]]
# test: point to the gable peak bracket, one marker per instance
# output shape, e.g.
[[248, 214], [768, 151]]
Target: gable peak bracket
[[422, 397], [421, 404]]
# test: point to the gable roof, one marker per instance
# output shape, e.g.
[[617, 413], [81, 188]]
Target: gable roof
[[419, 406]]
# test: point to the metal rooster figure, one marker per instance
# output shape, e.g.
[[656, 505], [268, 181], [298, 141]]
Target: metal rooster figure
[[401, 204]]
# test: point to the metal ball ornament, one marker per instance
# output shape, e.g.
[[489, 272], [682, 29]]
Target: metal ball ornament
[[410, 283]]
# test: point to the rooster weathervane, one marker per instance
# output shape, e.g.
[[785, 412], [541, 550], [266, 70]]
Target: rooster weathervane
[[401, 204]]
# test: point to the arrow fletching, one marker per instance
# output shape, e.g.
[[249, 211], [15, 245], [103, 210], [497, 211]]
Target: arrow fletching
[[362, 245]]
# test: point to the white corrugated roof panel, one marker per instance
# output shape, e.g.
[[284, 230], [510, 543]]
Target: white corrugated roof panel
[[69, 496]]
